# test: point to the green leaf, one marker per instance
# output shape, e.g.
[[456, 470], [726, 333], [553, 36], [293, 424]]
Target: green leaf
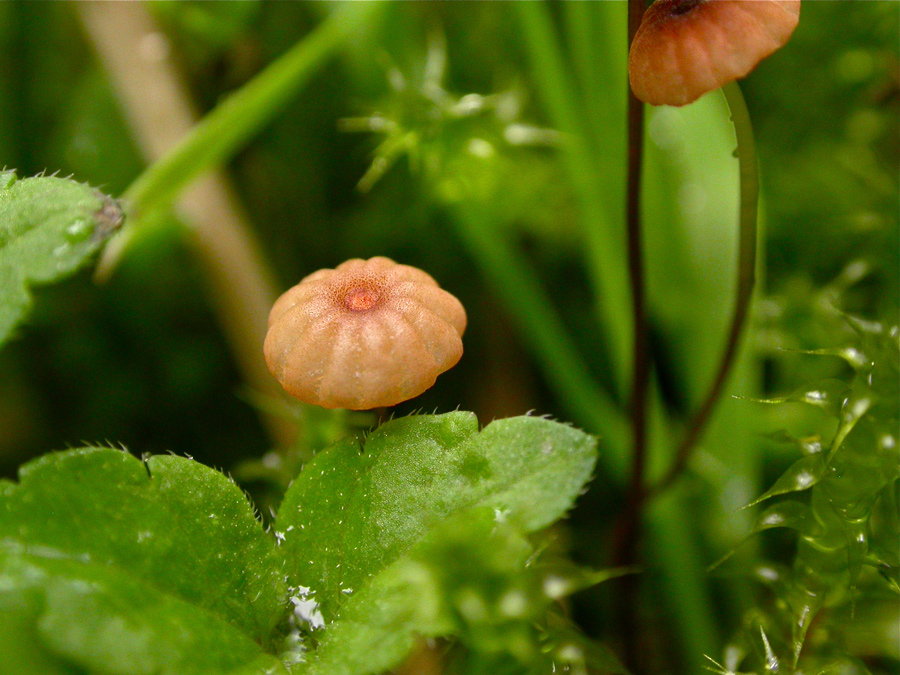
[[220, 133], [789, 513], [455, 578], [469, 577], [351, 512], [49, 228], [62, 615], [801, 475], [181, 528]]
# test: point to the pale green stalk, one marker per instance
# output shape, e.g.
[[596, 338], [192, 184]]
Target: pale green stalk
[[227, 128], [544, 334], [605, 242]]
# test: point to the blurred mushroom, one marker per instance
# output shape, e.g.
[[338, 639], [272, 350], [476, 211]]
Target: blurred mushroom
[[367, 334], [686, 48]]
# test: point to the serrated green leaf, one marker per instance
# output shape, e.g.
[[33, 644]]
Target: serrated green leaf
[[79, 617], [468, 576], [179, 526], [351, 512], [49, 228]]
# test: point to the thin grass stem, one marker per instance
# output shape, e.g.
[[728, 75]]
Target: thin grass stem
[[606, 266], [746, 279], [227, 127], [538, 323]]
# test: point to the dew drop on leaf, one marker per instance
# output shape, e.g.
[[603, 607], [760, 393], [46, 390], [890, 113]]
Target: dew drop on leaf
[[78, 231]]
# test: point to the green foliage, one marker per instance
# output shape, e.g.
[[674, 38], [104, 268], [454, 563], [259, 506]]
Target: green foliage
[[219, 134], [172, 522], [471, 577], [49, 228], [119, 566], [513, 119], [847, 529], [358, 526], [115, 565], [371, 506]]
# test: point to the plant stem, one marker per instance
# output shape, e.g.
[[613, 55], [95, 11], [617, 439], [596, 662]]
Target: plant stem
[[746, 278], [641, 344], [223, 131], [629, 533], [159, 112], [234, 120]]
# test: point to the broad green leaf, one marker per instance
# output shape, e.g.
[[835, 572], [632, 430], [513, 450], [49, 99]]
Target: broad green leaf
[[49, 227], [353, 511], [20, 647], [468, 577], [178, 526], [64, 615]]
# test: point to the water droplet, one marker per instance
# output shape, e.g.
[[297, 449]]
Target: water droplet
[[767, 573], [513, 604], [815, 396], [556, 587], [306, 609], [78, 231], [804, 479]]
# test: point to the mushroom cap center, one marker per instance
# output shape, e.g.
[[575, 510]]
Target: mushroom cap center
[[361, 298], [684, 6]]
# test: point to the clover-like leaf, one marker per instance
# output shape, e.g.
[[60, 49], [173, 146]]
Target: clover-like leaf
[[49, 228], [61, 615], [353, 511], [468, 577], [106, 554]]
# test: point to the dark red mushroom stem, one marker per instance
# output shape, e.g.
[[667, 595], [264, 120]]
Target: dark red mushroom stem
[[626, 549]]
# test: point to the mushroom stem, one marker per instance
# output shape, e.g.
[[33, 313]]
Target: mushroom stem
[[746, 278], [628, 535], [640, 350]]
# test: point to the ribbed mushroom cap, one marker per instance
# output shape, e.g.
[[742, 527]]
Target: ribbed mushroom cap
[[686, 48], [366, 334]]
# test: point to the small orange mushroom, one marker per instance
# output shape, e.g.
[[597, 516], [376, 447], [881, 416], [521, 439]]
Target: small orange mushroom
[[686, 48], [366, 334]]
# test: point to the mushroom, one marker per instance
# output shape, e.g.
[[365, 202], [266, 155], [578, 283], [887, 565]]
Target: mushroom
[[686, 48], [366, 334]]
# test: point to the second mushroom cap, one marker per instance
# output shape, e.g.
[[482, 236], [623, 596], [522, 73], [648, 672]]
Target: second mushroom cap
[[686, 48]]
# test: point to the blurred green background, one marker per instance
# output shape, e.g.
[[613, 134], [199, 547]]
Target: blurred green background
[[141, 361]]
